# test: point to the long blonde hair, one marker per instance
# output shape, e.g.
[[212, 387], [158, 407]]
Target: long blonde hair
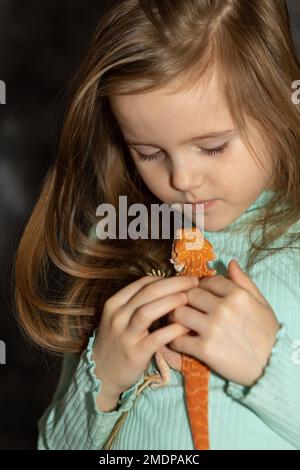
[[62, 276]]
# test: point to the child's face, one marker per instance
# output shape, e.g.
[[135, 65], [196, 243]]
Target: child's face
[[183, 171]]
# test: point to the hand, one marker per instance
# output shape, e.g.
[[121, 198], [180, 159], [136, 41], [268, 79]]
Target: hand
[[123, 345], [235, 326]]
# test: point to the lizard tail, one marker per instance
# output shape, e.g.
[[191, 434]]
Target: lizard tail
[[196, 380]]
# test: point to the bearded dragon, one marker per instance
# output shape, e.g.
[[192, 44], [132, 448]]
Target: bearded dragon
[[190, 255]]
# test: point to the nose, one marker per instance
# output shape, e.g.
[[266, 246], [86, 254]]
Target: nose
[[183, 177]]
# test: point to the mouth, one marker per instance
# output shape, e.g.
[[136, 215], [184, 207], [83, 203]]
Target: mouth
[[207, 204], [198, 202]]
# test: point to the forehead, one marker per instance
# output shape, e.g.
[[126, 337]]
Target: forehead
[[161, 113]]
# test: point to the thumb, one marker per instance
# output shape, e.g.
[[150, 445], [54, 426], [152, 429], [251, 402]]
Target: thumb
[[237, 275]]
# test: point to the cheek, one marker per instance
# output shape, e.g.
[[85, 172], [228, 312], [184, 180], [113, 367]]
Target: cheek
[[144, 169], [154, 177], [260, 166], [244, 170]]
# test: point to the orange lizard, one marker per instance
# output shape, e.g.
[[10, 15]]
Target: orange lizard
[[190, 254]]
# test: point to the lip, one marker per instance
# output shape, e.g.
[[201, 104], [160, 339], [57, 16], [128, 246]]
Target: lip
[[207, 204]]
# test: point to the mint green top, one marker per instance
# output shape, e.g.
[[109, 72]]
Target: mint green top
[[263, 416]]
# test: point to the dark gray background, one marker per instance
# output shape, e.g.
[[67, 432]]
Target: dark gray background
[[42, 43]]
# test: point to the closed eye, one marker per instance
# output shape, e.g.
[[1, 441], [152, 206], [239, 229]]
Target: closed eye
[[210, 152]]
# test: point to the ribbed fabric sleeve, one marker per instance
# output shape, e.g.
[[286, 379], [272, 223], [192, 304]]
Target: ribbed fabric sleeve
[[73, 420], [275, 396]]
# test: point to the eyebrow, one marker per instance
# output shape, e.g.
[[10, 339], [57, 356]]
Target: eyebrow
[[210, 135]]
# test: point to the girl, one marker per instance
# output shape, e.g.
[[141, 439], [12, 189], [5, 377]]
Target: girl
[[175, 102]]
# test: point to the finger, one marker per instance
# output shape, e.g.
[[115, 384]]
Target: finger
[[163, 287], [202, 300], [124, 295], [153, 342], [217, 285], [190, 345], [191, 319], [144, 316]]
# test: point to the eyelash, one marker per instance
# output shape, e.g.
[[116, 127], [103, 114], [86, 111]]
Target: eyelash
[[210, 152]]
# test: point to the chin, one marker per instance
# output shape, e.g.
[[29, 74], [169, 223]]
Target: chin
[[214, 226], [212, 223]]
